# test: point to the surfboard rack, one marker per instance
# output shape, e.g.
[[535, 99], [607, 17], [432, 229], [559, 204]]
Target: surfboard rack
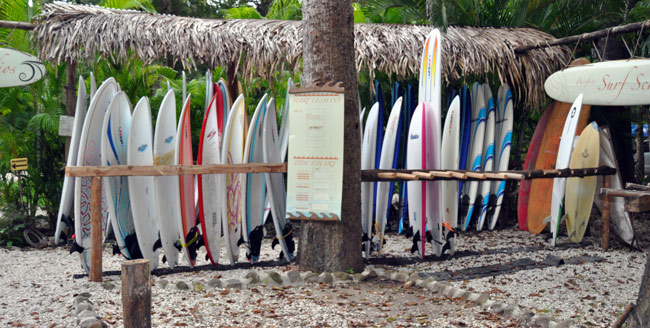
[[407, 175]]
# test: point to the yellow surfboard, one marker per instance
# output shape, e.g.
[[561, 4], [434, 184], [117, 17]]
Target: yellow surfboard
[[580, 192]]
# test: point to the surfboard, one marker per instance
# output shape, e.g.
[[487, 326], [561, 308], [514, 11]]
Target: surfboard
[[183, 156], [275, 185], [115, 135], [505, 119], [580, 192], [465, 132], [168, 199], [232, 151], [378, 143], [620, 217], [93, 86], [89, 154], [284, 124], [450, 160], [539, 199], [479, 115], [211, 186], [209, 90], [141, 188], [562, 162], [368, 151], [469, 160], [184, 87], [67, 191], [529, 164], [608, 83], [386, 162], [223, 86], [397, 155], [254, 184], [488, 156]]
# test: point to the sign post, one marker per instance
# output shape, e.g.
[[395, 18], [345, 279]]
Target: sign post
[[17, 165], [315, 168]]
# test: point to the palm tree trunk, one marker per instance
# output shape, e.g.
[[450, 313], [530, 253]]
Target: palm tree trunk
[[328, 55]]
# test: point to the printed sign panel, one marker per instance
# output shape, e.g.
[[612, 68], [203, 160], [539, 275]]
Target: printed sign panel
[[19, 68], [315, 158]]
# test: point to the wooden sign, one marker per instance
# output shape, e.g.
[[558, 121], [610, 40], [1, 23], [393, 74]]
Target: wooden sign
[[18, 164], [315, 157], [610, 83], [19, 68]]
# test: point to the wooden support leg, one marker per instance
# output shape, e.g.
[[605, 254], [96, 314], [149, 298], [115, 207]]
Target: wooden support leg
[[606, 214], [96, 229], [136, 294]]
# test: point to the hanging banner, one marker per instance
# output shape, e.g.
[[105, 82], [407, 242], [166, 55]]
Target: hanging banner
[[19, 68], [315, 157]]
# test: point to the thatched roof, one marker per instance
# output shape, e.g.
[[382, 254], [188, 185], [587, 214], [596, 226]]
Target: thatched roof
[[76, 33]]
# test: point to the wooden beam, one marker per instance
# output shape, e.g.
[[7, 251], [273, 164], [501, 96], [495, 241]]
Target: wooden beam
[[632, 27], [372, 175], [635, 186], [637, 204], [623, 193], [17, 25], [96, 229], [160, 170], [136, 293]]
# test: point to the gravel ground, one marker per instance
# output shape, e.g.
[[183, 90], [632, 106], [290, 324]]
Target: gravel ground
[[592, 287]]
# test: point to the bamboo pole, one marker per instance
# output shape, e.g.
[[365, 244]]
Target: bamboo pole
[[632, 27], [96, 229], [623, 193], [372, 175], [162, 170], [635, 186], [17, 25]]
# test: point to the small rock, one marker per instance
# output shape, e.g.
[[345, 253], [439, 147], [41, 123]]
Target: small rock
[[91, 323], [401, 277], [108, 285], [275, 277], [482, 299], [233, 283], [498, 307], [253, 277], [214, 283], [84, 315], [409, 284], [311, 277], [84, 306], [293, 276], [198, 286], [465, 295], [84, 294], [564, 324], [542, 320], [414, 277], [509, 309], [552, 260], [370, 274], [449, 291], [181, 285], [326, 277], [343, 276], [387, 273], [163, 283], [473, 297], [359, 277]]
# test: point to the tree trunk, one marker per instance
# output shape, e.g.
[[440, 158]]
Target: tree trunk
[[640, 315], [328, 55]]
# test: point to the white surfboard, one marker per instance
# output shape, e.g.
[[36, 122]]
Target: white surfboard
[[93, 86], [386, 162], [90, 155], [275, 184], [417, 160], [184, 87], [284, 124], [253, 184], [368, 151], [449, 188], [184, 155], [115, 134], [209, 89], [232, 151], [67, 192], [141, 188], [211, 186], [562, 162], [505, 119], [166, 188], [227, 103], [488, 156], [609, 83], [478, 133]]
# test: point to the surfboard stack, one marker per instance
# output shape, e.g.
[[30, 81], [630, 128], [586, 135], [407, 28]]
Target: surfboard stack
[[176, 215]]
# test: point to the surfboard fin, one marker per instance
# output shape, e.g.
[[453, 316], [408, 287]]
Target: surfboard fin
[[67, 220], [131, 242], [274, 243], [563, 218], [164, 259], [416, 240], [116, 250], [429, 236], [409, 232], [157, 244], [76, 248], [547, 220], [177, 245], [255, 242]]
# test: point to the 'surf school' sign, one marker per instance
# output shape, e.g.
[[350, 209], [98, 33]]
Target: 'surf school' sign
[[19, 68], [612, 83]]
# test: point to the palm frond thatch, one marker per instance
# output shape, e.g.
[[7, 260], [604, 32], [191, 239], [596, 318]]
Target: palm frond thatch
[[74, 33]]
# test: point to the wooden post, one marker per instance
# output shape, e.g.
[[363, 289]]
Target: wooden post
[[136, 293], [606, 213], [70, 96], [96, 229]]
